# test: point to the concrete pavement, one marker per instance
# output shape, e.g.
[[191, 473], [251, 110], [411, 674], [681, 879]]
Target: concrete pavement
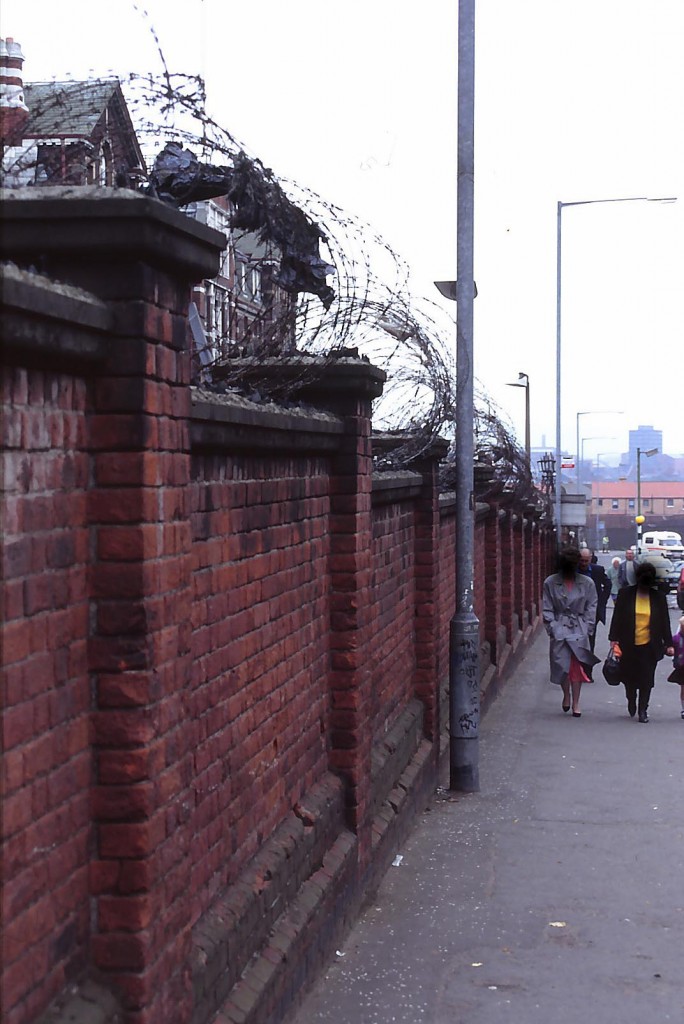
[[555, 895]]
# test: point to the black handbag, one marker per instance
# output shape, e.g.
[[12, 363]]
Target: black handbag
[[611, 669]]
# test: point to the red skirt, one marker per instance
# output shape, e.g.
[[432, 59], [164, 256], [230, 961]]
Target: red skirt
[[577, 673]]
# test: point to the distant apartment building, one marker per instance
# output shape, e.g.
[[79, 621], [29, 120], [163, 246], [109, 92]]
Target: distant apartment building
[[645, 438]]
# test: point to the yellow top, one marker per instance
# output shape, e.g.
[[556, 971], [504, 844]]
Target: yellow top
[[642, 631]]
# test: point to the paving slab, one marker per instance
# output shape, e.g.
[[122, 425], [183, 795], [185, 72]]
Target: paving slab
[[553, 895]]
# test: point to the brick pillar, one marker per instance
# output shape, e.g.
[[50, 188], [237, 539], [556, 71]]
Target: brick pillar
[[143, 258], [347, 387]]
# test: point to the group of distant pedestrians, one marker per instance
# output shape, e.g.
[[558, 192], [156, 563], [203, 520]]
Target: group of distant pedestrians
[[575, 600]]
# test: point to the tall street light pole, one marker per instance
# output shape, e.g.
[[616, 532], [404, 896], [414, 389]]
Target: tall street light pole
[[590, 412], [464, 653], [464, 632], [639, 518], [559, 222], [526, 385], [595, 437]]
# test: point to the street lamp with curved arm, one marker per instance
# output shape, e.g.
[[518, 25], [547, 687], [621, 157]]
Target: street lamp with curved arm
[[591, 412], [560, 206], [594, 437], [525, 384], [639, 519]]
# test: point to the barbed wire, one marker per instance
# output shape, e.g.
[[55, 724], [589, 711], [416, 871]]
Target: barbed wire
[[340, 288]]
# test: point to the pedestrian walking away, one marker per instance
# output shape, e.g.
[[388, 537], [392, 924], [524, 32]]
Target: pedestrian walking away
[[569, 604], [640, 635], [626, 573], [612, 574], [589, 567], [677, 675]]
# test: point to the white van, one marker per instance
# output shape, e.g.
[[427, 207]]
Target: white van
[[663, 542]]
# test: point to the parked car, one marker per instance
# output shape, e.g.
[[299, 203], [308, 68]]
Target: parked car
[[674, 573], [680, 588], [667, 572]]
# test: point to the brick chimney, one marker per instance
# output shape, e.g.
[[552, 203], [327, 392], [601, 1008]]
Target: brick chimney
[[13, 109]]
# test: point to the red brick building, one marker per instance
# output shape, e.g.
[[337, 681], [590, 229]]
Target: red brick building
[[242, 309], [64, 133], [614, 503]]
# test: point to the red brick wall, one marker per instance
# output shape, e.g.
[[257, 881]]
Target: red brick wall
[[260, 653], [447, 587], [208, 609], [47, 762], [393, 597]]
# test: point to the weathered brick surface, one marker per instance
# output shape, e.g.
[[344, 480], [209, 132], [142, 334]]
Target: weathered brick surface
[[259, 641], [393, 584], [46, 691], [225, 643]]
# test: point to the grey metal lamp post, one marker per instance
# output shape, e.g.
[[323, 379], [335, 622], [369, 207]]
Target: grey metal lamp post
[[526, 385], [559, 211], [594, 437], [591, 412], [464, 633], [639, 518]]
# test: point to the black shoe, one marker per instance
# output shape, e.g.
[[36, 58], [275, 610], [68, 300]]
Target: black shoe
[[643, 716]]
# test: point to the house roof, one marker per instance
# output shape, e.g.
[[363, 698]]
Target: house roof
[[628, 489], [70, 109]]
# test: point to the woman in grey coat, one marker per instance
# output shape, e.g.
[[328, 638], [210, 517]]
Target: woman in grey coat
[[569, 611]]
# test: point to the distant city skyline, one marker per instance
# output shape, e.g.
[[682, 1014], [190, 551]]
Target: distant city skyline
[[644, 436]]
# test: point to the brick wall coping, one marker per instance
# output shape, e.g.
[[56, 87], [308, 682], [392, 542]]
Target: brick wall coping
[[315, 378], [447, 503], [105, 223], [447, 506], [230, 420], [41, 316], [386, 442], [395, 485]]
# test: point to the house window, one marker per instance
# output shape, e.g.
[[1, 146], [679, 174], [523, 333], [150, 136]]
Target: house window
[[647, 502], [256, 284], [615, 504], [600, 502], [631, 502], [670, 502]]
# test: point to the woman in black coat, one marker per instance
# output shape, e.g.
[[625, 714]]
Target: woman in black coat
[[641, 630]]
